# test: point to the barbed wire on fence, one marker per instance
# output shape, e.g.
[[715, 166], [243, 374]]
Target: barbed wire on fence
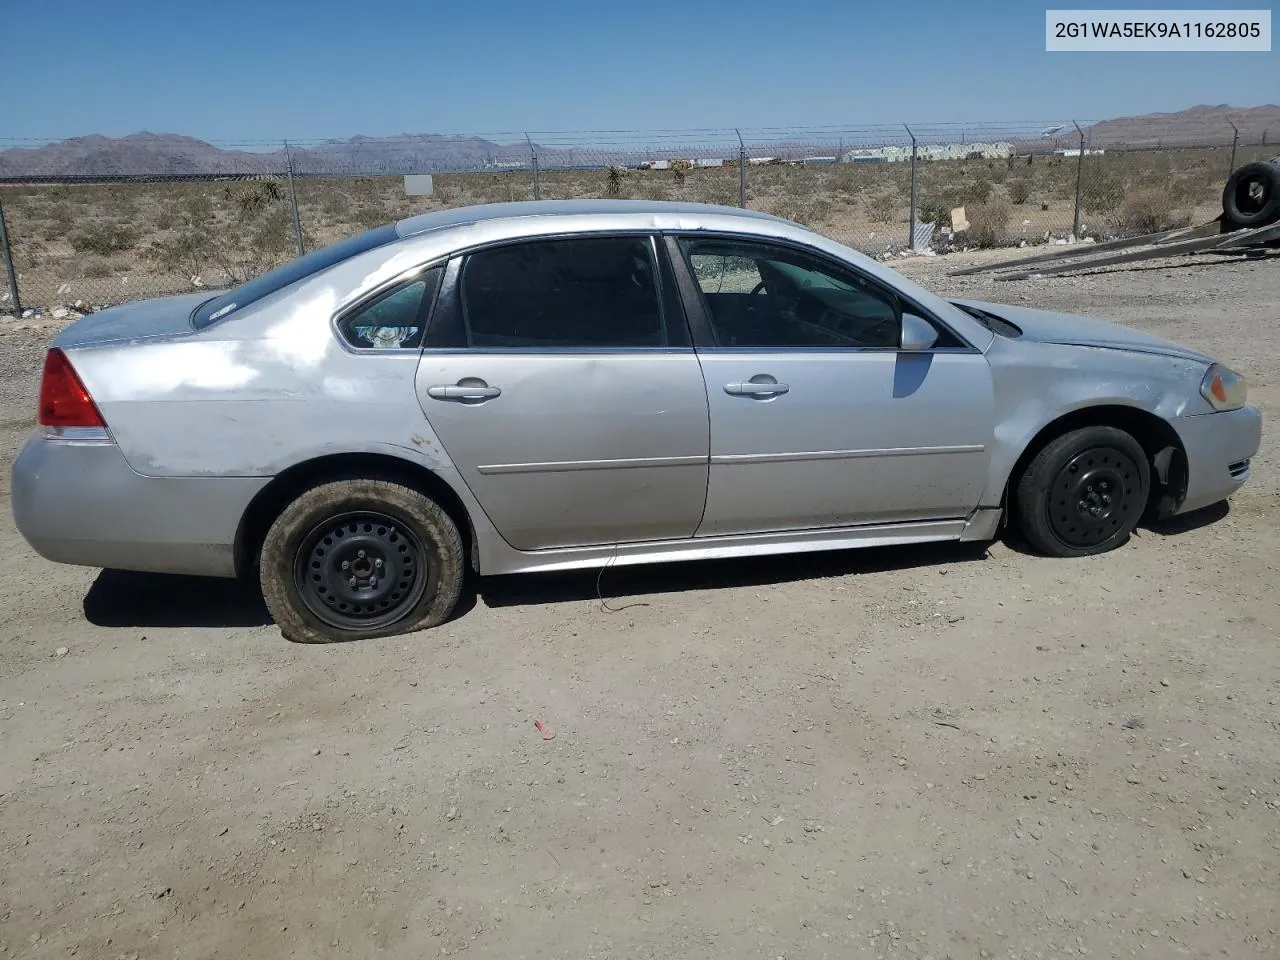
[[94, 221]]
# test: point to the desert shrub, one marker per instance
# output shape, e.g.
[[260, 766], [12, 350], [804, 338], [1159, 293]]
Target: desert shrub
[[1019, 191], [1101, 192], [254, 198], [104, 239], [62, 219], [28, 252], [1194, 188], [335, 203], [933, 211], [613, 182], [367, 216], [95, 268], [977, 191], [224, 256], [808, 210], [882, 208], [199, 208], [652, 188], [723, 192], [988, 223], [1149, 210]]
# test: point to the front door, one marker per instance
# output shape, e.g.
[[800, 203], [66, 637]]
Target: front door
[[570, 401], [818, 419]]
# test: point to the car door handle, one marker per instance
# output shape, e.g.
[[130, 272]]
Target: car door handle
[[459, 392], [749, 388]]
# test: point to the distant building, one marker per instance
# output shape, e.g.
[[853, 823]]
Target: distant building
[[930, 151], [876, 155]]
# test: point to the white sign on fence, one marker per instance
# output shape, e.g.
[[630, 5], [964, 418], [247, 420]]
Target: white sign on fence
[[417, 185]]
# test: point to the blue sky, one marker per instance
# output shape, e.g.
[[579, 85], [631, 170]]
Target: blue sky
[[236, 70]]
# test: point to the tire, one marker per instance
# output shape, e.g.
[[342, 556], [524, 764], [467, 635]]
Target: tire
[[404, 563], [1084, 493], [1251, 197]]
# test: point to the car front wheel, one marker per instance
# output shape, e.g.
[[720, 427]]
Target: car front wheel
[[354, 559], [1084, 493]]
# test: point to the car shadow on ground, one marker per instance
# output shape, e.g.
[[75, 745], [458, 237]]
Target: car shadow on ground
[[121, 598], [1185, 523], [611, 584]]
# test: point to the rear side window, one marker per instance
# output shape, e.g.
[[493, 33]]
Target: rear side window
[[587, 292], [394, 319]]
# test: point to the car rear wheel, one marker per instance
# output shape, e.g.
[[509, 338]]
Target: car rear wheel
[[1084, 493], [354, 559]]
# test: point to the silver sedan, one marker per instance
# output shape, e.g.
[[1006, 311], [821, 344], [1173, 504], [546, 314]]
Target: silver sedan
[[549, 386]]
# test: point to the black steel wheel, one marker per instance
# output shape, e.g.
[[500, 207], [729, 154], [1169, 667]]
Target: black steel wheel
[[353, 559], [360, 571], [1084, 493]]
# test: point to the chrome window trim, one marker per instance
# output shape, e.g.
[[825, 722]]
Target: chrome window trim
[[545, 351]]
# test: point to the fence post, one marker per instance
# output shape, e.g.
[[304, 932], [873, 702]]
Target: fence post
[[1075, 223], [742, 170], [1235, 142], [293, 199], [533, 153], [8, 263], [911, 229]]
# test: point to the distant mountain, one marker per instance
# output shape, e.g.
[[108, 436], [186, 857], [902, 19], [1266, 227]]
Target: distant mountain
[[163, 154], [169, 155], [1198, 125]]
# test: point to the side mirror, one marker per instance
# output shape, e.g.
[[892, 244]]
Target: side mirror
[[917, 333]]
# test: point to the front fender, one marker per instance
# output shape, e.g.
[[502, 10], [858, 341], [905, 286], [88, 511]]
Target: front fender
[[1039, 384]]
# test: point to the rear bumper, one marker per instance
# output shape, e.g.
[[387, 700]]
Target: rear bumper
[[1219, 448], [79, 502]]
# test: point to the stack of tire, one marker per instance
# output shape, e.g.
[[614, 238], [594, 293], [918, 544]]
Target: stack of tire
[[1251, 197]]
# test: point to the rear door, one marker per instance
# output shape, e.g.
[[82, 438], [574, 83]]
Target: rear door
[[560, 378], [818, 418]]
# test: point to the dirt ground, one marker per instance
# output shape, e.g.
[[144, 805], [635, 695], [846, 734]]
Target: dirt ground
[[937, 752]]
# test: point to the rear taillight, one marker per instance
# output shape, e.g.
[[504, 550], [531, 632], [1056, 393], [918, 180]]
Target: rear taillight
[[64, 401]]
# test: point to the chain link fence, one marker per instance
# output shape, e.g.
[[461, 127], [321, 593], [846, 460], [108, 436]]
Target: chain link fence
[[92, 222]]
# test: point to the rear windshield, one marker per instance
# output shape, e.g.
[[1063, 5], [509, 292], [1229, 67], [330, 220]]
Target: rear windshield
[[225, 304]]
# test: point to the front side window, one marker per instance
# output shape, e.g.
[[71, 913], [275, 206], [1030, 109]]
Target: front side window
[[587, 292], [393, 320], [760, 295]]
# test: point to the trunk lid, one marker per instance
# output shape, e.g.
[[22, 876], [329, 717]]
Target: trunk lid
[[140, 320]]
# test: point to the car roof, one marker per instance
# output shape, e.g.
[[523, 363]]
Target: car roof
[[477, 213]]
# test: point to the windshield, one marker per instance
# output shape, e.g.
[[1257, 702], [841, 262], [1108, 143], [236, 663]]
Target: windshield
[[223, 305]]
